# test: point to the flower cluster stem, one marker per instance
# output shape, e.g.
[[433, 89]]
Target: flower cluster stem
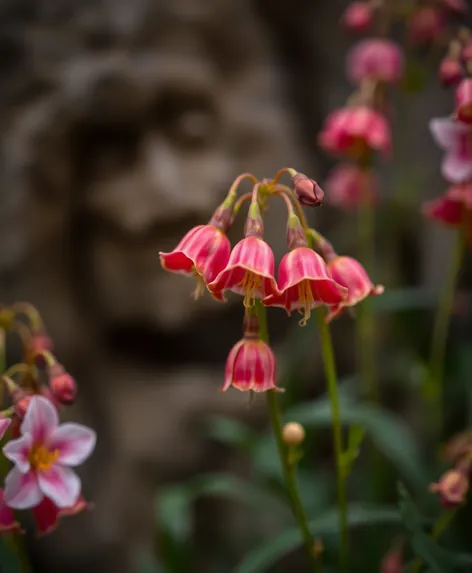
[[332, 382], [288, 467], [434, 389]]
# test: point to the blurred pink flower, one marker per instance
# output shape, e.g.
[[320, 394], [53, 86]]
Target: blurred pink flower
[[348, 186], [376, 59], [455, 138], [357, 17], [4, 423], [42, 456]]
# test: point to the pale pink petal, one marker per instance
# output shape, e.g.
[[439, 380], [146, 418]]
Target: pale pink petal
[[22, 490], [74, 442], [17, 451], [457, 167], [446, 132], [60, 484], [4, 423], [40, 420]]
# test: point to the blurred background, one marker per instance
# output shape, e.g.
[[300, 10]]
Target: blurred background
[[123, 123]]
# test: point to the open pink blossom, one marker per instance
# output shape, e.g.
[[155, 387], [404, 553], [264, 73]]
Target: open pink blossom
[[455, 137], [43, 456]]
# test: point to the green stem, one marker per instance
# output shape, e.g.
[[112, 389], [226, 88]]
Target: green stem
[[434, 390], [288, 467], [331, 379]]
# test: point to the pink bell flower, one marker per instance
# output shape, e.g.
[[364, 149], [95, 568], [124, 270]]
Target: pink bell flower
[[43, 456]]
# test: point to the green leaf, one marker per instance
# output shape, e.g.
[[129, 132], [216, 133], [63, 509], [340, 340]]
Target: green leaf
[[232, 433], [390, 434], [438, 559], [9, 562], [358, 515], [173, 505], [404, 299]]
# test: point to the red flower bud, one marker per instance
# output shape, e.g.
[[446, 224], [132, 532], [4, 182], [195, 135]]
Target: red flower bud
[[47, 514], [452, 488], [307, 190], [464, 100], [425, 25], [357, 17], [450, 71], [62, 385]]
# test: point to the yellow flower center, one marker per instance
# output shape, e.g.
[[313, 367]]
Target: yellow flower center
[[200, 287], [306, 300], [41, 458], [251, 284]]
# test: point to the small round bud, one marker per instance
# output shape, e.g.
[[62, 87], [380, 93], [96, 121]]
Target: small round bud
[[450, 71], [425, 25], [22, 405], [62, 385], [293, 434], [307, 190], [357, 17], [452, 488]]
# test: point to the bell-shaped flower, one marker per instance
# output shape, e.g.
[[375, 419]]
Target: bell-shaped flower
[[43, 457], [349, 273], [249, 272], [304, 283]]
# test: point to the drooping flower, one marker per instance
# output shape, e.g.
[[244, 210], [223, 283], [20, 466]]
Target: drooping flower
[[249, 272], [358, 17], [464, 101], [251, 365], [425, 25], [43, 457], [455, 138], [454, 209], [304, 283], [47, 514], [349, 186], [376, 59], [452, 488], [8, 524], [349, 273], [450, 71], [202, 254], [355, 131]]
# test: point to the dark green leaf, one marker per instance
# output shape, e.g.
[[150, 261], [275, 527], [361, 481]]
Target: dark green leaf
[[9, 562], [404, 299], [266, 555]]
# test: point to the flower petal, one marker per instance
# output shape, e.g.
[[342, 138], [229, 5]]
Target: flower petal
[[74, 442], [40, 420], [60, 484], [4, 423], [446, 131], [22, 490], [456, 167], [17, 452], [7, 517]]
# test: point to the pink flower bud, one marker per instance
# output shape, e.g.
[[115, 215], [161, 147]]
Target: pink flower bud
[[307, 190], [22, 405], [464, 101], [349, 273], [444, 210], [201, 254], [450, 71], [38, 344], [452, 488], [62, 385], [304, 283], [249, 272], [357, 17], [425, 25], [376, 59], [251, 366], [349, 186], [355, 131]]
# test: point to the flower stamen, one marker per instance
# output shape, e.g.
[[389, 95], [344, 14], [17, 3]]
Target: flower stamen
[[305, 297], [252, 284], [41, 458]]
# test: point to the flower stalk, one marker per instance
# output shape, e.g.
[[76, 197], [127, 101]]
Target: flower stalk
[[341, 474], [434, 387], [288, 466]]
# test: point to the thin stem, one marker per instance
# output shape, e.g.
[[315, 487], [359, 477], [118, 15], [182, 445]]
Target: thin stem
[[281, 172], [288, 467], [434, 389], [239, 179], [298, 207], [239, 203], [331, 379]]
